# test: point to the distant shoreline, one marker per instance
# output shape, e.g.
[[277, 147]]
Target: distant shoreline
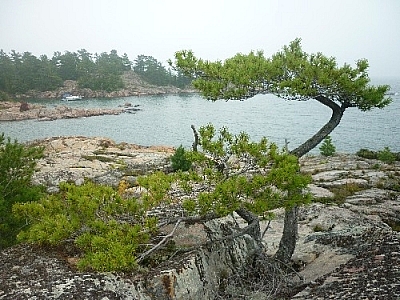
[[133, 86]]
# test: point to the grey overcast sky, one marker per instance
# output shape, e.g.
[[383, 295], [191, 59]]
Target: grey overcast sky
[[213, 29]]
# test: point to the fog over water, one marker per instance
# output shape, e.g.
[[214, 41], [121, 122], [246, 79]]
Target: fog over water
[[213, 29]]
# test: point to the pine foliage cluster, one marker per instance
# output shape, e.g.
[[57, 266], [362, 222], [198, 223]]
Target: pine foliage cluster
[[17, 165]]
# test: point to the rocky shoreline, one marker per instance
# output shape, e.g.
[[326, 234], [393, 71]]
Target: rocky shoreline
[[134, 86], [12, 111], [348, 247]]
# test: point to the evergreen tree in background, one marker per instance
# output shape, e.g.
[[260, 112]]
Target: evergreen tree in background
[[20, 73], [106, 73], [327, 148], [152, 70]]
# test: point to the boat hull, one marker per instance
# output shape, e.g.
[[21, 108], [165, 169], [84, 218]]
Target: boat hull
[[72, 98]]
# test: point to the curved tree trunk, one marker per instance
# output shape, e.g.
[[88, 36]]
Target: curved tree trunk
[[289, 237], [290, 227], [337, 113], [253, 228]]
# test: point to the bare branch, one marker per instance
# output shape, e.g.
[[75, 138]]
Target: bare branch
[[196, 138], [162, 242], [265, 230], [189, 219]]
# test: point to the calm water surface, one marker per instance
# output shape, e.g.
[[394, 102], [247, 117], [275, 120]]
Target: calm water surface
[[166, 120]]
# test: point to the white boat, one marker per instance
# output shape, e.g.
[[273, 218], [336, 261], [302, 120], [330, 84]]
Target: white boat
[[69, 97]]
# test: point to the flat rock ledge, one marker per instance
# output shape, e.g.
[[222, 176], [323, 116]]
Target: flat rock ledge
[[347, 248], [74, 159]]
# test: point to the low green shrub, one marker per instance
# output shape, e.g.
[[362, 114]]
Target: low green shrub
[[17, 165], [108, 229], [395, 225], [180, 161], [386, 155], [341, 193], [319, 228], [98, 157], [327, 148], [365, 153], [397, 155], [4, 96]]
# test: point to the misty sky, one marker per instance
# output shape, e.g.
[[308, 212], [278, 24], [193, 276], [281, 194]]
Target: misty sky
[[213, 29]]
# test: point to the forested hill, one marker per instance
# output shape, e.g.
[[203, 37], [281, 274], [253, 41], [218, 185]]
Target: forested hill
[[104, 75]]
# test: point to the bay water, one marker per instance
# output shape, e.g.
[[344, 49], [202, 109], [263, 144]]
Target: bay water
[[166, 120]]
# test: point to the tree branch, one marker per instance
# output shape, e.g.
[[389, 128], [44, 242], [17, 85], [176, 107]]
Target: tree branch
[[162, 242], [266, 228], [253, 228], [253, 224], [196, 138], [190, 219]]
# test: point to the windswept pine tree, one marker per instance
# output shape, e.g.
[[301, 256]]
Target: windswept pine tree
[[290, 74]]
